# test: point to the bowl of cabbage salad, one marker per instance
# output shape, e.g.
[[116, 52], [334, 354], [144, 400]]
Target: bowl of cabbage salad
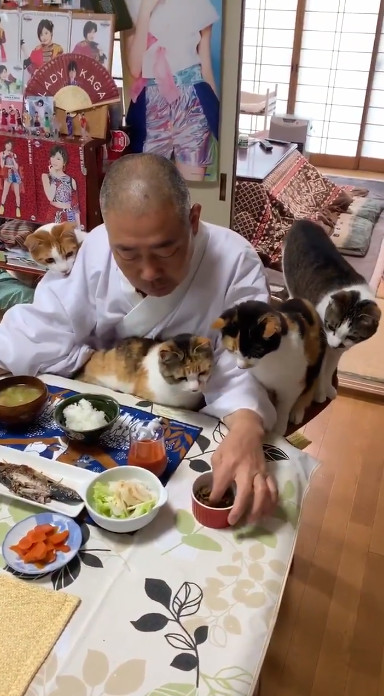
[[124, 498]]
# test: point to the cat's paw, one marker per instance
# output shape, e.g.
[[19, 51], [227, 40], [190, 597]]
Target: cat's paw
[[281, 426], [331, 392], [296, 416], [320, 395]]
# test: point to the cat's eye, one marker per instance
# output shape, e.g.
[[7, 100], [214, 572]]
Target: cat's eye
[[69, 255], [50, 260], [202, 374], [180, 379]]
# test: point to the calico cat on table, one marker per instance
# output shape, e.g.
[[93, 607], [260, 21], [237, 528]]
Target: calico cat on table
[[282, 347], [315, 270], [171, 372]]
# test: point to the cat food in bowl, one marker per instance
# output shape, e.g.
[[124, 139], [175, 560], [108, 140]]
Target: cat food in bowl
[[125, 498], [85, 417], [209, 515], [22, 399]]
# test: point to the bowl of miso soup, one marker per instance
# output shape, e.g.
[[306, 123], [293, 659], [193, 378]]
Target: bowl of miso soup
[[22, 399]]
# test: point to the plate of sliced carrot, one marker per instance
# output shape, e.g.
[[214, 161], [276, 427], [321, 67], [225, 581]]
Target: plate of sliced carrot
[[41, 543]]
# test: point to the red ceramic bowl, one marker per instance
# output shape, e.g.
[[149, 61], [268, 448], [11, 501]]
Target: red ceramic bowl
[[215, 518]]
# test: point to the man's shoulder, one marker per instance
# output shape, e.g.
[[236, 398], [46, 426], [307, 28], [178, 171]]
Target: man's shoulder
[[95, 252], [223, 239], [96, 243]]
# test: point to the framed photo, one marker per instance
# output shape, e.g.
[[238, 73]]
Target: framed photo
[[92, 35], [41, 111], [11, 67], [11, 112], [42, 39]]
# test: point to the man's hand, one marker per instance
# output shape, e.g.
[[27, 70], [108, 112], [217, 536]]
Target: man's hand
[[240, 459]]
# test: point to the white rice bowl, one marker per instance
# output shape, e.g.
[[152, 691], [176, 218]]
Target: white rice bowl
[[83, 416]]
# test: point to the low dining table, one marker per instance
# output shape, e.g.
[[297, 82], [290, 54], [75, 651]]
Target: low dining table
[[175, 609]]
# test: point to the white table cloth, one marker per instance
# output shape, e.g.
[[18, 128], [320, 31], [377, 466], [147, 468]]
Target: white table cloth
[[175, 609]]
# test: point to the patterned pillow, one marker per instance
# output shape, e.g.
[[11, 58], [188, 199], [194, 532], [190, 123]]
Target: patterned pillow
[[14, 232]]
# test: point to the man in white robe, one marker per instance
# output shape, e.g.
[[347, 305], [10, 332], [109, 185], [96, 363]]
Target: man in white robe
[[155, 269]]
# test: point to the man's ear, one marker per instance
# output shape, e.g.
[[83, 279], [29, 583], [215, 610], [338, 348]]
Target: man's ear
[[194, 218]]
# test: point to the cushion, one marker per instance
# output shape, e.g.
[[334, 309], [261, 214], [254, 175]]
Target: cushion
[[352, 234], [368, 208]]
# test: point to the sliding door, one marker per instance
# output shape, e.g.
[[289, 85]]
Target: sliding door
[[372, 138], [327, 57]]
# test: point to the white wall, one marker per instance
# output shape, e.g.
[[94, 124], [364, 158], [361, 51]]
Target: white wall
[[208, 194]]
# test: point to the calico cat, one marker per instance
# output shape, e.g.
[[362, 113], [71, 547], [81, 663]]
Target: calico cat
[[283, 348], [171, 372], [55, 246], [315, 270]]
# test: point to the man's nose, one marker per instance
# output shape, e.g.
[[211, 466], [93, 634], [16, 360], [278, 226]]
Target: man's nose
[[149, 272]]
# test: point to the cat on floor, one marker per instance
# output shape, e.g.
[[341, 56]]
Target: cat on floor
[[55, 246], [171, 372], [315, 270], [283, 348]]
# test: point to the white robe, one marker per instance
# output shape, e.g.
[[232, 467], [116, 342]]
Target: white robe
[[95, 305]]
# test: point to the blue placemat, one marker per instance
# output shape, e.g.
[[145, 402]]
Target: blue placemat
[[46, 438]]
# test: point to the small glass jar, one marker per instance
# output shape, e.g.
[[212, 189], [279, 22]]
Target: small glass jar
[[147, 446]]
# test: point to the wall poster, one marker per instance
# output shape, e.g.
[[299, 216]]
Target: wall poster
[[174, 93]]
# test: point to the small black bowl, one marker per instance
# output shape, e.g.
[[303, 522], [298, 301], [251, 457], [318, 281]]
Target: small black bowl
[[110, 406]]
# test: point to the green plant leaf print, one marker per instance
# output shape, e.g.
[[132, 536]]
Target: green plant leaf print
[[264, 536], [185, 522], [201, 541], [174, 690], [288, 491], [20, 511], [293, 513]]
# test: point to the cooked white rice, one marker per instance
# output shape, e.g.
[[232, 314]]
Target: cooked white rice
[[83, 416]]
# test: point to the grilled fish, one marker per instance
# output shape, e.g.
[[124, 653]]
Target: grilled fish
[[28, 483]]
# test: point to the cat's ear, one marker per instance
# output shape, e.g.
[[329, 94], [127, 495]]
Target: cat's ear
[[219, 324], [229, 317], [370, 315], [65, 231], [202, 345], [35, 239], [168, 354], [271, 325]]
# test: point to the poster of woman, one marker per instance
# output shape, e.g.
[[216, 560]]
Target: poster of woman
[[11, 66], [174, 57], [10, 178], [93, 38], [43, 39], [61, 201]]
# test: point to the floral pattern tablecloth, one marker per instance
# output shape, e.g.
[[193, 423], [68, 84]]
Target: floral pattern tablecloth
[[175, 609]]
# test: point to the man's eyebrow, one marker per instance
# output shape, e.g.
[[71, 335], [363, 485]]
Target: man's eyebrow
[[161, 245]]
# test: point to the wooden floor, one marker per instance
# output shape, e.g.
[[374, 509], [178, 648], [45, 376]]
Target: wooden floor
[[329, 637]]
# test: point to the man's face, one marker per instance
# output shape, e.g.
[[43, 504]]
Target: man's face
[[154, 250]]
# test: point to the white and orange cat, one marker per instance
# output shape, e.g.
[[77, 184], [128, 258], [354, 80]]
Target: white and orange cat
[[55, 246], [171, 372]]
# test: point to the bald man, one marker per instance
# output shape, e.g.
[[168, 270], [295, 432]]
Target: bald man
[[153, 268]]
